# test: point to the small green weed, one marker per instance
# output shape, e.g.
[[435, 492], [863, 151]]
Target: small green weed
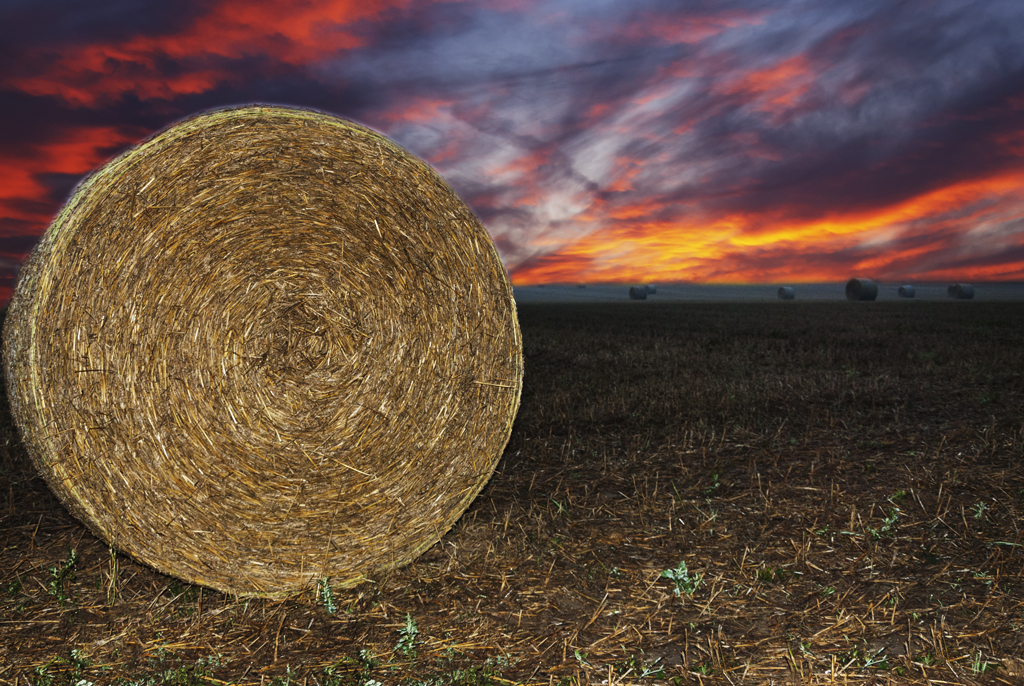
[[680, 576], [286, 680], [979, 666], [636, 667], [714, 485], [979, 510], [60, 576], [408, 638], [327, 596], [13, 587], [62, 670], [888, 527], [704, 668]]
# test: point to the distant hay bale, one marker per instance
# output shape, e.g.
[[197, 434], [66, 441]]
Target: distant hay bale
[[961, 291], [861, 289], [264, 347], [906, 291], [638, 292], [786, 293]]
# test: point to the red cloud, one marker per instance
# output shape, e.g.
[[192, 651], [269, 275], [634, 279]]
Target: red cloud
[[293, 34], [776, 89], [78, 152]]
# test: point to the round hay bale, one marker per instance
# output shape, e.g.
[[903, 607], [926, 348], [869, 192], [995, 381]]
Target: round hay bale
[[786, 293], [861, 289], [264, 347], [638, 292], [961, 291], [906, 291]]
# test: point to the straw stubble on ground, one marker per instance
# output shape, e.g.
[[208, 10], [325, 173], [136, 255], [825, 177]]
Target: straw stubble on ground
[[693, 493]]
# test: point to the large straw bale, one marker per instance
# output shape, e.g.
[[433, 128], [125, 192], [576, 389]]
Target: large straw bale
[[786, 293], [906, 291], [861, 289], [264, 347]]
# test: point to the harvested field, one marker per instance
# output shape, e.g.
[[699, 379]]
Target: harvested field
[[801, 492]]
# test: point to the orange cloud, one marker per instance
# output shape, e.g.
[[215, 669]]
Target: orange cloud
[[738, 248]]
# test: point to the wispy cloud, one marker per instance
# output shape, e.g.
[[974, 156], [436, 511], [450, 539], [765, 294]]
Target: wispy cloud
[[600, 140]]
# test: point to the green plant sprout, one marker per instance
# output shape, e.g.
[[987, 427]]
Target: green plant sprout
[[714, 486], [61, 573], [680, 576], [408, 638], [888, 525], [327, 596], [979, 666]]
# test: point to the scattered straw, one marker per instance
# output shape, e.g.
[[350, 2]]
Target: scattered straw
[[263, 347]]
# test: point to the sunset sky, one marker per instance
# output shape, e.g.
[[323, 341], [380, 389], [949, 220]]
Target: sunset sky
[[740, 141]]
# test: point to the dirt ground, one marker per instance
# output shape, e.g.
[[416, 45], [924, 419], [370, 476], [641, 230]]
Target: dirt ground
[[742, 493]]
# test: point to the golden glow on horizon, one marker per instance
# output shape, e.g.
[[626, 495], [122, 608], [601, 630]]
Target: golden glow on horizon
[[752, 249]]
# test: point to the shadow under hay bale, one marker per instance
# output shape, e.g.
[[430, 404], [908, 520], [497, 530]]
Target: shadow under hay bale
[[861, 289], [786, 293], [264, 347], [906, 291], [961, 291], [638, 292]]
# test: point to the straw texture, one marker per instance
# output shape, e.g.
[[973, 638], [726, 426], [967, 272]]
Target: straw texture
[[264, 347]]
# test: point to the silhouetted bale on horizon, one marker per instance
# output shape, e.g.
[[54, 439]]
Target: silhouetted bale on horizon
[[906, 291], [961, 291], [786, 293], [861, 289]]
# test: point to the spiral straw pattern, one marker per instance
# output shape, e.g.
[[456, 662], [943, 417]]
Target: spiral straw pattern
[[264, 347]]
